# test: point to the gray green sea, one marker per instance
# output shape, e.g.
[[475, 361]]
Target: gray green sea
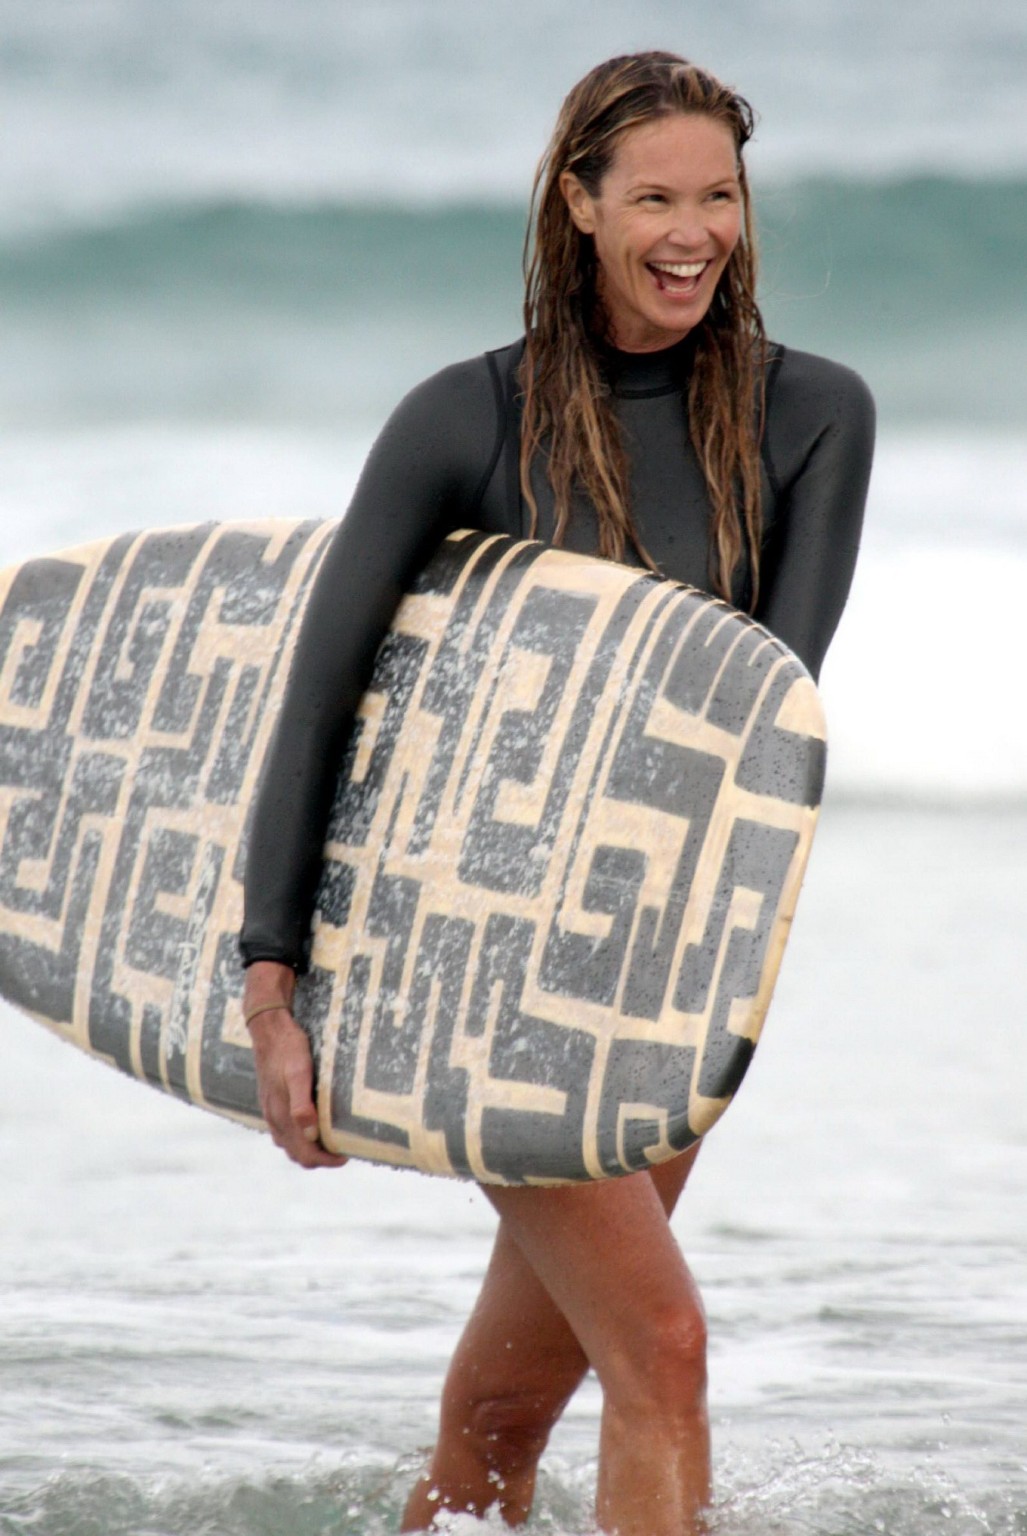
[[231, 237]]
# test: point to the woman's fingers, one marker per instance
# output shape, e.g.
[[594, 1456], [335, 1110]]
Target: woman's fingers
[[285, 1077], [301, 1105]]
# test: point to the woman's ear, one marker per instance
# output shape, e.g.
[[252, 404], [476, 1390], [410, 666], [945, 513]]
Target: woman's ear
[[580, 203]]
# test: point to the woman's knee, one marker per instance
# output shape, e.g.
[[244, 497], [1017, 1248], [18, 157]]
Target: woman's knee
[[508, 1434], [661, 1369], [505, 1419]]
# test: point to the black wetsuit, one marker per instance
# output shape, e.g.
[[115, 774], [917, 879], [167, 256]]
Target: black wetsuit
[[447, 459]]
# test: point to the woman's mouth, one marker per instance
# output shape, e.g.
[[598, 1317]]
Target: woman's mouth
[[677, 277]]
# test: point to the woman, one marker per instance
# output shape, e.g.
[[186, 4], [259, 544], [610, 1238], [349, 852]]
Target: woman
[[645, 418]]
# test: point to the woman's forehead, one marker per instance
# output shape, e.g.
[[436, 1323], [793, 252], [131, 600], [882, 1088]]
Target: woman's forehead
[[679, 146]]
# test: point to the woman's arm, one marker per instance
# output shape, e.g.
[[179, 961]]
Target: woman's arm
[[820, 442], [420, 477], [421, 474]]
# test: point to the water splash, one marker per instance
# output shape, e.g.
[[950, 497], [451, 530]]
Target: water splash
[[831, 1490], [842, 1490]]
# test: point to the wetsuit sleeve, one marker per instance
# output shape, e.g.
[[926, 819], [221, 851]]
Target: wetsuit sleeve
[[423, 471], [820, 441]]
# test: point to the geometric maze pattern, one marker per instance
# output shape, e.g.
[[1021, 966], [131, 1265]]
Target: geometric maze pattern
[[138, 679], [569, 833], [590, 795]]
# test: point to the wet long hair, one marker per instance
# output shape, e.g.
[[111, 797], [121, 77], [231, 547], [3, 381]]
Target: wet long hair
[[567, 413]]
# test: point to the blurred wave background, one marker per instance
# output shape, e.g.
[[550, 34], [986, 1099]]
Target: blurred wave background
[[231, 236]]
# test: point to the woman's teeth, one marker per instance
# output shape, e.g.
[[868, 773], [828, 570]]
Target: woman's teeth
[[678, 268]]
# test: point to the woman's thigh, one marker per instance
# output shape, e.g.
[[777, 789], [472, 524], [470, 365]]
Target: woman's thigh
[[605, 1264], [518, 1347], [670, 1178]]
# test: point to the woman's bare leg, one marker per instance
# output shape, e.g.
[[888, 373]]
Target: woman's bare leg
[[606, 1255], [519, 1361], [513, 1371]]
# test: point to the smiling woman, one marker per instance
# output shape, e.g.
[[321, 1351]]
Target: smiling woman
[[644, 237], [664, 222], [642, 417]]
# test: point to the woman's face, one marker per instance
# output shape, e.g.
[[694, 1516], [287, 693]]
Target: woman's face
[[665, 221]]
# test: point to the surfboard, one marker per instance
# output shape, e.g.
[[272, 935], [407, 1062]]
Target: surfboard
[[569, 832]]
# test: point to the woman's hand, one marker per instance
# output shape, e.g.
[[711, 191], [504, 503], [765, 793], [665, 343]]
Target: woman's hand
[[284, 1067]]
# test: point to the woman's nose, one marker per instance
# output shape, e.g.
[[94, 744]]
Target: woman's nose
[[688, 228]]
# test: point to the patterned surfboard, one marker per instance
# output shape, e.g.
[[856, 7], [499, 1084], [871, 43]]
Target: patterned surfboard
[[568, 837]]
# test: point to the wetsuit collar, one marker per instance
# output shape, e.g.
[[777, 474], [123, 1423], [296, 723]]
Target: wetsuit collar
[[649, 373]]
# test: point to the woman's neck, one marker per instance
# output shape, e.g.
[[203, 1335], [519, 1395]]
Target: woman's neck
[[642, 373]]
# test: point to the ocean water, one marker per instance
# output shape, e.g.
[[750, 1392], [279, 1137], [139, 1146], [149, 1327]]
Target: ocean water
[[231, 237], [197, 1337]]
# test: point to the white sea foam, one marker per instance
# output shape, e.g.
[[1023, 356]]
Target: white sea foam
[[104, 110], [66, 487], [922, 684], [949, 488]]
